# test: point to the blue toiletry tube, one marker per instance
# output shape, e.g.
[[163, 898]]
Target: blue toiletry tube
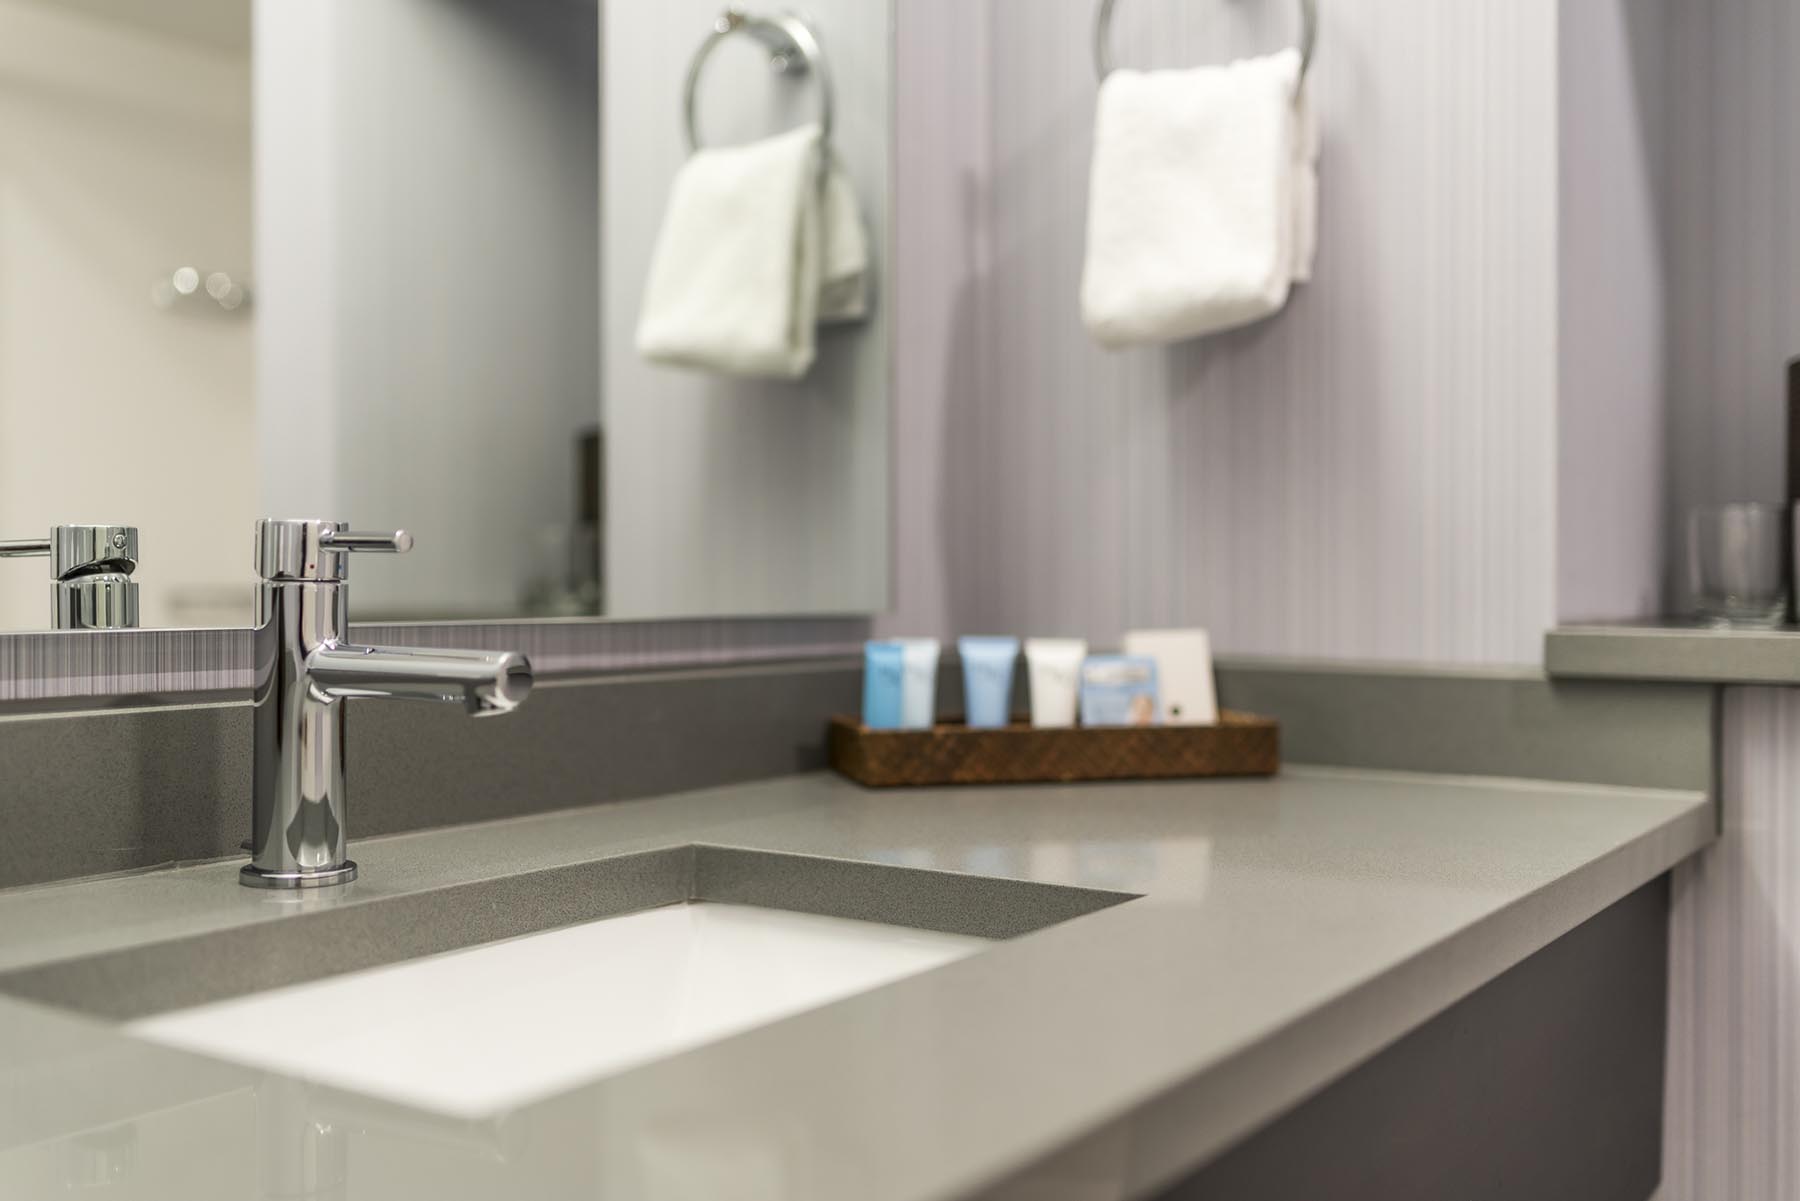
[[884, 674], [987, 665]]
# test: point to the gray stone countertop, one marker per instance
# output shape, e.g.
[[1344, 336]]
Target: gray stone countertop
[[1285, 930]]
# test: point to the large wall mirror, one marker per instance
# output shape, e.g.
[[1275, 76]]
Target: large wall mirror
[[453, 266]]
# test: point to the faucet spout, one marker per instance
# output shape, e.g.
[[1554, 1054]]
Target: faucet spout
[[484, 683]]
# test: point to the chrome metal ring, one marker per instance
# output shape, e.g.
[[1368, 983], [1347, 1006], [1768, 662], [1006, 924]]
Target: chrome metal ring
[[1103, 64], [793, 50], [255, 877]]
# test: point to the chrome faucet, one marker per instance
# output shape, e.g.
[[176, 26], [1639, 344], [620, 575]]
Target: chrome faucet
[[90, 566], [305, 669]]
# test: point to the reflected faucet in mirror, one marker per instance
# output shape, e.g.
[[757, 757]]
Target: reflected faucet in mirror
[[306, 668], [90, 570]]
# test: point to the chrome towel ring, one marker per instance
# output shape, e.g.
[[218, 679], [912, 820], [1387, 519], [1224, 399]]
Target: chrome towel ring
[[1103, 64], [793, 50]]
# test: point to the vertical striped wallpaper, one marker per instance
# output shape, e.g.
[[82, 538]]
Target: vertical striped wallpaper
[[1370, 474], [1612, 296], [1734, 1003]]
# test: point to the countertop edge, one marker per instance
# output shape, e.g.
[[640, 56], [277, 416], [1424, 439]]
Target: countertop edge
[[1186, 1127]]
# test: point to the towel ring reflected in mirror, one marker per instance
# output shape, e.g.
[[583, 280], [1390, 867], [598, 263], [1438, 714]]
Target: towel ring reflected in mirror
[[1103, 64], [793, 51]]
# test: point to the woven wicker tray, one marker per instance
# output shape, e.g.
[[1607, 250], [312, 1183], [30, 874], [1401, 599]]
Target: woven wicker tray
[[1242, 744]]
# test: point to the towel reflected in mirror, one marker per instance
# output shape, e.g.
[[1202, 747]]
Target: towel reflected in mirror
[[759, 245]]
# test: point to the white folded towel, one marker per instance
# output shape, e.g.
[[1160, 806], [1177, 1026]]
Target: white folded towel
[[844, 278], [755, 249], [1202, 204]]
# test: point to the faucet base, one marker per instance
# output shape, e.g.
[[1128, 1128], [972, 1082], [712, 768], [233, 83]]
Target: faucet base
[[252, 876]]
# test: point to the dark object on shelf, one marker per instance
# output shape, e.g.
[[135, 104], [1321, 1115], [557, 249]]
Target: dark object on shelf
[[1242, 744]]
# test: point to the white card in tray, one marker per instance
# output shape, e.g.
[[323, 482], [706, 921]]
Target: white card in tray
[[1184, 670]]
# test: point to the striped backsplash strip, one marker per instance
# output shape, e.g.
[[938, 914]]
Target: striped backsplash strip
[[565, 648], [60, 666], [108, 663]]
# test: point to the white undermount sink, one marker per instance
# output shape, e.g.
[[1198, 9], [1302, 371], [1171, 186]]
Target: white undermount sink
[[476, 1032]]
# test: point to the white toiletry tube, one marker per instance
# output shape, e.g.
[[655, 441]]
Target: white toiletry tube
[[1054, 667], [918, 690]]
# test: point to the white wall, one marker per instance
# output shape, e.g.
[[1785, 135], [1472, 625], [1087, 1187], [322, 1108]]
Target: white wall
[[727, 495], [1370, 475], [124, 153], [427, 238]]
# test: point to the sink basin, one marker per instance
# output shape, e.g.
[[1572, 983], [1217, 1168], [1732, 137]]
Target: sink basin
[[476, 1032], [475, 998]]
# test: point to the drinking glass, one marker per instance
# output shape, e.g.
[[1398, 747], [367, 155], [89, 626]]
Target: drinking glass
[[1735, 567]]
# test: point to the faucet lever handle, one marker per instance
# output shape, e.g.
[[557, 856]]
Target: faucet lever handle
[[396, 543], [305, 550], [80, 550]]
